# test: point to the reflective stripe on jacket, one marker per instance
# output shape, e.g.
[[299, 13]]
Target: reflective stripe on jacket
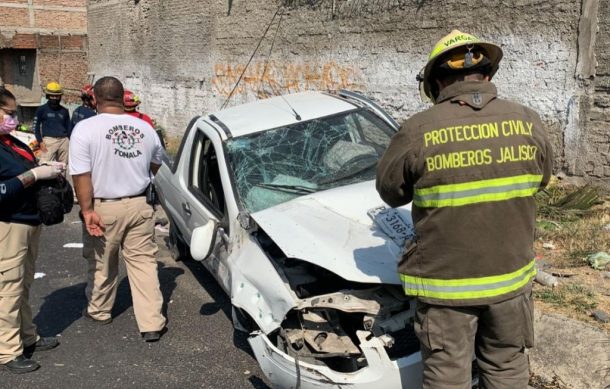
[[496, 189], [471, 164], [469, 288]]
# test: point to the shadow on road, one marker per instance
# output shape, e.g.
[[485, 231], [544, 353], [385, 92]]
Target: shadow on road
[[167, 278], [221, 302], [258, 383], [60, 309], [64, 306]]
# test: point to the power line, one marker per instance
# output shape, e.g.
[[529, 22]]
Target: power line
[[279, 23], [251, 57]]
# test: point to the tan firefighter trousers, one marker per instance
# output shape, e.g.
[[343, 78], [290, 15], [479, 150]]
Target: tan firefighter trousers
[[497, 334], [18, 250], [129, 228], [57, 149]]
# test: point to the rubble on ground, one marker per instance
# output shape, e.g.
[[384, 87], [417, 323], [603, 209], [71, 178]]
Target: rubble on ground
[[599, 260], [600, 316]]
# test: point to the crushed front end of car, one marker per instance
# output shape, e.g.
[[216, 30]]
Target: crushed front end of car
[[357, 338], [350, 323]]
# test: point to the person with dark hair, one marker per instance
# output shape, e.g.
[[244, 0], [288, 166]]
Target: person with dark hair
[[471, 165], [52, 125], [112, 159], [19, 237], [87, 108]]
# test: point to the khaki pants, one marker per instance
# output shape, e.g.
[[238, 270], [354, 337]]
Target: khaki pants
[[18, 251], [57, 149], [497, 333], [129, 226]]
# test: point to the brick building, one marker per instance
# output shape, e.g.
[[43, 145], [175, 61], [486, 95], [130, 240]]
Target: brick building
[[184, 57], [42, 41]]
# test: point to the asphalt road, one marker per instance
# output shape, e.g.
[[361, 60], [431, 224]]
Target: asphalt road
[[200, 350]]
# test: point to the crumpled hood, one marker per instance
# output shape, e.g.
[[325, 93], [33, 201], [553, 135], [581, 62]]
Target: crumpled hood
[[333, 230]]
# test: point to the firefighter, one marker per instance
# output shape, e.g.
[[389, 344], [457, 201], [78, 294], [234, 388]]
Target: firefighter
[[131, 101], [87, 109], [52, 126], [471, 165], [112, 170]]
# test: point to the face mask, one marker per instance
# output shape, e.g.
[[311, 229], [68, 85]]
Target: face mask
[[54, 103], [8, 125]]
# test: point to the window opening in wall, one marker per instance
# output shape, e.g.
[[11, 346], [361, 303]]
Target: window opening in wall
[[18, 73]]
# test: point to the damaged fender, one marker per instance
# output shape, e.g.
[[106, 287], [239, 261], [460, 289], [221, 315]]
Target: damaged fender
[[257, 288]]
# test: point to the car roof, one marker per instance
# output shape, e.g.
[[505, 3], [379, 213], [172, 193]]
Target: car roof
[[275, 112]]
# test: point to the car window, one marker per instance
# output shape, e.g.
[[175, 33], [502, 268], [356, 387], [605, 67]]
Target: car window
[[373, 130], [204, 175], [277, 165]]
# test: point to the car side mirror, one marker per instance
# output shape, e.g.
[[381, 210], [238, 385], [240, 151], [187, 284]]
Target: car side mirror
[[203, 240]]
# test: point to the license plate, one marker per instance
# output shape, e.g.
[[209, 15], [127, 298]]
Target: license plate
[[396, 225]]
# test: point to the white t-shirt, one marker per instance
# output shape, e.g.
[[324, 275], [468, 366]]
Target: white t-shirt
[[118, 151]]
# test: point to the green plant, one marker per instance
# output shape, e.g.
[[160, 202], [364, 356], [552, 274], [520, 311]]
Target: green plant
[[562, 203]]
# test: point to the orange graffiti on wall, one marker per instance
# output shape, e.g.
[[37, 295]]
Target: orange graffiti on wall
[[276, 78]]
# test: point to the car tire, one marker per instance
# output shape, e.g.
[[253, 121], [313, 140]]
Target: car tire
[[179, 251]]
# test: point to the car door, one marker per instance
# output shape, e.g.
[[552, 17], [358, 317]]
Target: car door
[[171, 182], [206, 200]]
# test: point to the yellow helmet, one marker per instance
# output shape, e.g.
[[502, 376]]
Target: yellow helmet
[[53, 88], [458, 51]]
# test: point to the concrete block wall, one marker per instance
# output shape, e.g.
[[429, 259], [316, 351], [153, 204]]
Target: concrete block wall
[[57, 30], [594, 143], [184, 57]]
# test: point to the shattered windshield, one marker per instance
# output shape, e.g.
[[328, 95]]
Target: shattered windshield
[[277, 165]]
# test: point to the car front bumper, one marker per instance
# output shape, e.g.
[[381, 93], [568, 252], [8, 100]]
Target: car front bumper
[[381, 372]]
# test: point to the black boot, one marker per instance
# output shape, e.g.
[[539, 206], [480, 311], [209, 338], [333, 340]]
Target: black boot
[[21, 365], [43, 344]]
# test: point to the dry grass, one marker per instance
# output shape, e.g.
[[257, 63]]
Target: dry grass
[[172, 143], [577, 239], [577, 297], [541, 383], [576, 221], [576, 232]]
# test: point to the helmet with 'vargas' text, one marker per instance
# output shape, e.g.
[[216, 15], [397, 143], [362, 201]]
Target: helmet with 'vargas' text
[[458, 52]]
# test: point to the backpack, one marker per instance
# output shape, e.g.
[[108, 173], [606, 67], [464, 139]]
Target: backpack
[[54, 199]]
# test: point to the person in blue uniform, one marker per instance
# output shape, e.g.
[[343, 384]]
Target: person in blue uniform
[[87, 109], [52, 126]]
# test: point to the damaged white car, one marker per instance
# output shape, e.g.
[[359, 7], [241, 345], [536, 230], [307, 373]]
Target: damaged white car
[[278, 199]]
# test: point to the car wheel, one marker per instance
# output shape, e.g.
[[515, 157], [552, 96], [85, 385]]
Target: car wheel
[[179, 251]]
